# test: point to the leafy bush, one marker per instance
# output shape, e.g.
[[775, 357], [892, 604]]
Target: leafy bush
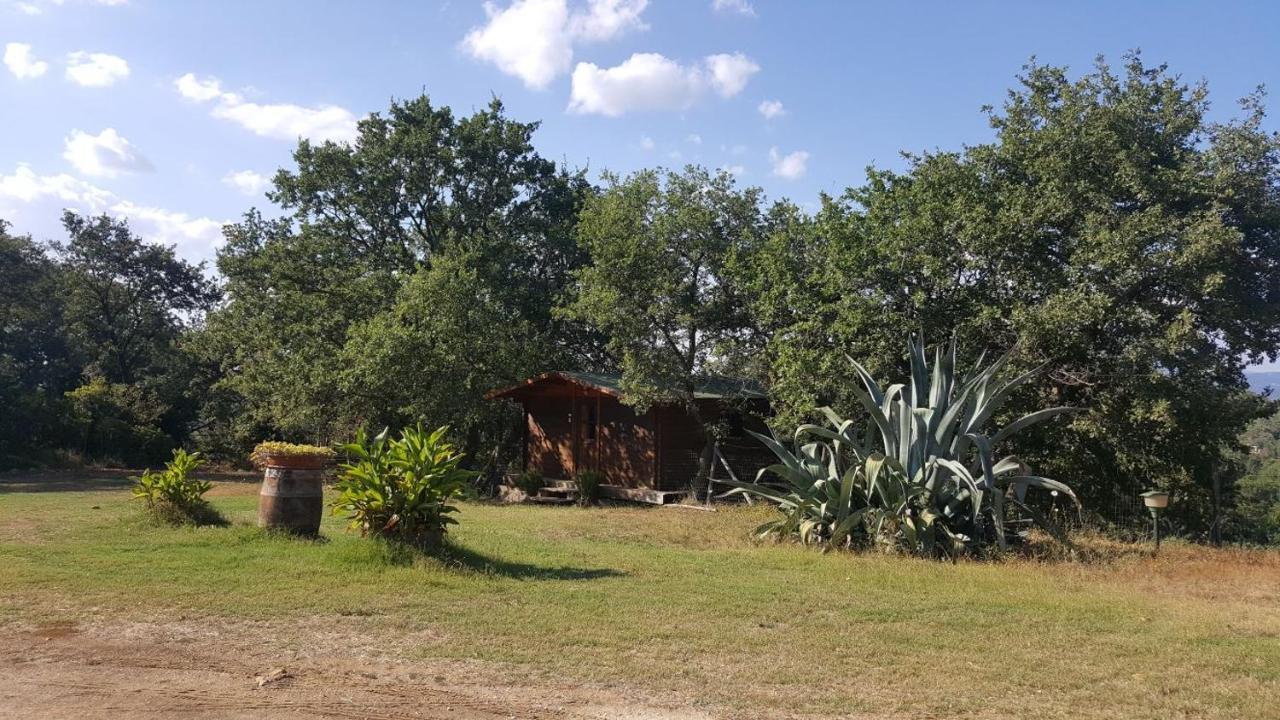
[[919, 474], [1257, 511], [530, 482], [589, 482], [118, 423], [173, 496], [265, 450], [400, 489]]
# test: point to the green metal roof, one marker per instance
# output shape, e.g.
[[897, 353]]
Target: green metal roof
[[711, 388]]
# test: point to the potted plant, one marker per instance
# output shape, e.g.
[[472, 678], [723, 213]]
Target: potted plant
[[292, 495], [290, 455]]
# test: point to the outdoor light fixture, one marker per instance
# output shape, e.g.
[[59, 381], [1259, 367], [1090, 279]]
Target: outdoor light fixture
[[1155, 500]]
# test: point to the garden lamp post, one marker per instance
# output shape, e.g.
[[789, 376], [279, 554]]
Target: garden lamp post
[[1155, 500]]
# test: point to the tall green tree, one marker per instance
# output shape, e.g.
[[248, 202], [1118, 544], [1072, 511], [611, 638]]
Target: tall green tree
[[128, 305], [127, 300], [371, 284], [658, 286], [35, 359], [1111, 229]]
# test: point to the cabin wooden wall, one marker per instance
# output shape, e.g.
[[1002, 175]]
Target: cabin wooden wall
[[627, 445], [659, 449], [549, 436]]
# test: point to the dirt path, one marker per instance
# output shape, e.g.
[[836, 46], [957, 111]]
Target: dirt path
[[235, 669]]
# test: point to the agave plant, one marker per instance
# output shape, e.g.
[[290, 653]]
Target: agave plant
[[920, 472]]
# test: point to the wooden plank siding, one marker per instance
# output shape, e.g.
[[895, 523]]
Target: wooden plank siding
[[549, 427], [626, 445], [573, 426]]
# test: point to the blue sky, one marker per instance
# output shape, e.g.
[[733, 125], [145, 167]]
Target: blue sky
[[171, 113]]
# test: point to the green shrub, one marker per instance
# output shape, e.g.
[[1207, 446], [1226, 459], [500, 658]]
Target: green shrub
[[174, 497], [1257, 510], [589, 482], [530, 482], [265, 450], [400, 489], [918, 474]]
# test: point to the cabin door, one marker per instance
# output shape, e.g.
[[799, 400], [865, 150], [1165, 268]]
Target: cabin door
[[587, 422]]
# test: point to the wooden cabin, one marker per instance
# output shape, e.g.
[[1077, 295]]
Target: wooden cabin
[[577, 421]]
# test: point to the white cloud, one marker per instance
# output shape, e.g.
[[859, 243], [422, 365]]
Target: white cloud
[[771, 109], [646, 143], [95, 69], [196, 237], [247, 181], [694, 138], [22, 63], [283, 121], [791, 166], [741, 7], [675, 155], [25, 186], [36, 7], [735, 170], [650, 81], [730, 73], [605, 19], [534, 39], [193, 88], [290, 122], [106, 154]]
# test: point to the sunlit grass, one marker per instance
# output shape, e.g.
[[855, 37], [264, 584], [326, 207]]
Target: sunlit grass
[[683, 602]]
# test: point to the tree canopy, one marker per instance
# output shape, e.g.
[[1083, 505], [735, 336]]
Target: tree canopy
[[1110, 232]]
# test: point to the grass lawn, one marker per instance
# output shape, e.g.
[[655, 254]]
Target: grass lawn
[[682, 603]]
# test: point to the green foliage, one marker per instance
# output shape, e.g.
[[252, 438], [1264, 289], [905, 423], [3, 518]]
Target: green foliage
[[35, 358], [173, 496], [127, 299], [264, 450], [530, 482], [1124, 238], [589, 482], [417, 268], [400, 488], [919, 472], [657, 287], [1256, 515], [90, 354], [118, 423]]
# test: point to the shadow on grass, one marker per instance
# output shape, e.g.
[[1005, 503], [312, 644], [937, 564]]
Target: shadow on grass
[[94, 479], [28, 484], [287, 535], [200, 515], [464, 559]]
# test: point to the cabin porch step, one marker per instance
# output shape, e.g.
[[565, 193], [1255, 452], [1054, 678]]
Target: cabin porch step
[[558, 492], [550, 500]]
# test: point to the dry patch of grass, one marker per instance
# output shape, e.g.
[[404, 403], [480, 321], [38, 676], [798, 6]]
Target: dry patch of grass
[[683, 604]]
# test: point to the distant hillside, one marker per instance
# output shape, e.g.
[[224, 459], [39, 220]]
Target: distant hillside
[[1259, 381]]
